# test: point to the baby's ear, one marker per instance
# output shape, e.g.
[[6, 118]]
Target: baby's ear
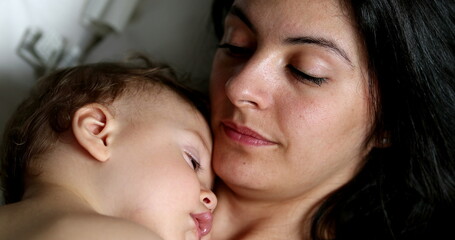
[[93, 126]]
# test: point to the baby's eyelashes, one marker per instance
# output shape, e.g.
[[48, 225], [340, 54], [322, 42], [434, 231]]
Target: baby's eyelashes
[[192, 161]]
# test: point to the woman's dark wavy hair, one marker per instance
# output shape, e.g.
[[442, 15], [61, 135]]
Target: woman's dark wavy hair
[[35, 126], [406, 190]]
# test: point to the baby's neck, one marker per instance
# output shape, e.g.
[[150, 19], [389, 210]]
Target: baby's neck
[[57, 197]]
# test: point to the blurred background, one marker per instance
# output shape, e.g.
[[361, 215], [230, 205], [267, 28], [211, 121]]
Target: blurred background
[[38, 36]]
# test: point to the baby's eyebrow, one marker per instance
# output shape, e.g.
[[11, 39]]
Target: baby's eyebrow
[[199, 136], [206, 145], [209, 159]]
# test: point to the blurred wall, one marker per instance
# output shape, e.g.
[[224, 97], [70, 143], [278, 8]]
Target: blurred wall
[[178, 32]]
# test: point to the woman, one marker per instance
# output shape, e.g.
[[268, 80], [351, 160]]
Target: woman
[[334, 119]]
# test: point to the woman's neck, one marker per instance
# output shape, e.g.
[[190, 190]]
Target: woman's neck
[[239, 217]]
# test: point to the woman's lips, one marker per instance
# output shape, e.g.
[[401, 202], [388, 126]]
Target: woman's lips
[[244, 135], [203, 223]]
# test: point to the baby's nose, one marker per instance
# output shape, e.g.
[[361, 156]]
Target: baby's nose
[[209, 199]]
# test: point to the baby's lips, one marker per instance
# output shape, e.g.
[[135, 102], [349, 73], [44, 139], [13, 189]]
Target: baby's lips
[[203, 222]]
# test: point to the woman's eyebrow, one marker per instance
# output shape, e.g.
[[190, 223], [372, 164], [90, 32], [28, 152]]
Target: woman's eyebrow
[[320, 42], [236, 11]]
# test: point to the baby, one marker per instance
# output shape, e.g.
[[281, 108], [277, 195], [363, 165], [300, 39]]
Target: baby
[[108, 151]]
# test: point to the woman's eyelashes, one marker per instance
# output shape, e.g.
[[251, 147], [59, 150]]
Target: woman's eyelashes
[[192, 161], [243, 52], [235, 51], [303, 77]]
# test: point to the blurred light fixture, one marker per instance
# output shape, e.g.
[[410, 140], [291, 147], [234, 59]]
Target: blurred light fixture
[[46, 50]]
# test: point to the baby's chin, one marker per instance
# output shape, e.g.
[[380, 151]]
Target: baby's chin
[[207, 237], [193, 235]]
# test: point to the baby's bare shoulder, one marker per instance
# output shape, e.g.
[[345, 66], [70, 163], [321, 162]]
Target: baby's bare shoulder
[[94, 226], [69, 226]]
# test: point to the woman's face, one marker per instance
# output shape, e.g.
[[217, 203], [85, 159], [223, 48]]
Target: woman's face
[[289, 94]]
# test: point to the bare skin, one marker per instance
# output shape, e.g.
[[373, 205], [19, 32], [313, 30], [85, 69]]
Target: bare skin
[[52, 212]]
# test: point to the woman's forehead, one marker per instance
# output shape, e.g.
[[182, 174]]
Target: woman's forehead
[[290, 20]]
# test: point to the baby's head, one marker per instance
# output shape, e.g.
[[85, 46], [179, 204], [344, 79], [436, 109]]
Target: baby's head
[[147, 131]]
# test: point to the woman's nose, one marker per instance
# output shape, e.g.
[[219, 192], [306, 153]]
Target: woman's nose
[[209, 199], [252, 86]]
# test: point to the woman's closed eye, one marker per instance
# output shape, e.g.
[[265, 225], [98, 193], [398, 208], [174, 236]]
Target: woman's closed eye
[[192, 161], [235, 51], [301, 76]]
